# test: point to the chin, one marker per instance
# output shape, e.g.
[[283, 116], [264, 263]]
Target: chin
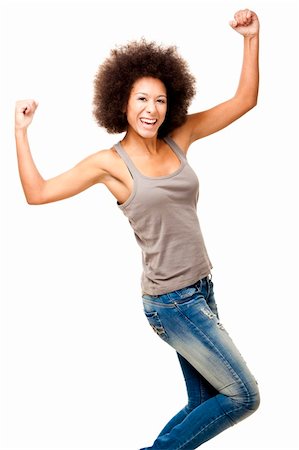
[[147, 134]]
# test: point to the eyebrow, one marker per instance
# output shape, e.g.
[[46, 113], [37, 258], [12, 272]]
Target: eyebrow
[[144, 93]]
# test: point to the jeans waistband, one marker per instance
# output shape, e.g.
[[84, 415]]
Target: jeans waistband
[[197, 285]]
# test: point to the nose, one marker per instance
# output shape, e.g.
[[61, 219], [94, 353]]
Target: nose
[[150, 106]]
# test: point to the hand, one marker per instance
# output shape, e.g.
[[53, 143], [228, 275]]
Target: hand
[[24, 113], [246, 23]]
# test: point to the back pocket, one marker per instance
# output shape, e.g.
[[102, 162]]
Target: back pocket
[[156, 324]]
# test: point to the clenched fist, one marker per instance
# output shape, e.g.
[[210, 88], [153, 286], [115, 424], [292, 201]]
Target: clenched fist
[[24, 113], [245, 22]]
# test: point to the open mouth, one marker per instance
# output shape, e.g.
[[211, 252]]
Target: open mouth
[[149, 123]]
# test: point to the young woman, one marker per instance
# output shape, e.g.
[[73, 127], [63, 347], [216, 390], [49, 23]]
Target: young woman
[[145, 90]]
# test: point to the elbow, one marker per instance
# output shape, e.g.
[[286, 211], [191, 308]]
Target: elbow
[[246, 102], [252, 100], [34, 194], [252, 104], [34, 199], [247, 106]]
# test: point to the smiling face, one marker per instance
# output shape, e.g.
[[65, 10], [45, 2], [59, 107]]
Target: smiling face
[[147, 105]]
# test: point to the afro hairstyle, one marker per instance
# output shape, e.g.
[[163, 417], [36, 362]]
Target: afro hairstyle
[[115, 77]]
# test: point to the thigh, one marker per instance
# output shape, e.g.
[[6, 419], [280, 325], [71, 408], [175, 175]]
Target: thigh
[[198, 388], [196, 333], [187, 319]]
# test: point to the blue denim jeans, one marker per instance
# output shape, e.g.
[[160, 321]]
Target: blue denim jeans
[[221, 390]]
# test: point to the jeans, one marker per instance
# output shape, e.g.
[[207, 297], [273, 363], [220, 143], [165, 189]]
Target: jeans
[[221, 390]]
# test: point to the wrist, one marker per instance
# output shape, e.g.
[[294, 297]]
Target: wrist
[[20, 131], [251, 37]]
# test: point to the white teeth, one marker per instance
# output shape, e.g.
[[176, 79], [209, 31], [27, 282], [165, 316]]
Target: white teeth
[[149, 121]]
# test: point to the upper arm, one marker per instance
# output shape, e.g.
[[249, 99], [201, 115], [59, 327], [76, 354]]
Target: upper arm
[[207, 122], [86, 173]]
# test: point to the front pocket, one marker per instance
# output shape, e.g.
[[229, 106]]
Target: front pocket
[[156, 324], [185, 294]]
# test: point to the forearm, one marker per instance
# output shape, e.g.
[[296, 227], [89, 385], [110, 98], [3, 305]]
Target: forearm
[[249, 80], [31, 179]]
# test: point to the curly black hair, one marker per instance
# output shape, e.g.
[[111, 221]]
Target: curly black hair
[[115, 77]]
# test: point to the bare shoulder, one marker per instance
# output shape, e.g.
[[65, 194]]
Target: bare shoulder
[[181, 135], [104, 158], [110, 162], [115, 174], [110, 155]]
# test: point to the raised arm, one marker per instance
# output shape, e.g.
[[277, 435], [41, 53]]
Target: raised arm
[[37, 191], [204, 123]]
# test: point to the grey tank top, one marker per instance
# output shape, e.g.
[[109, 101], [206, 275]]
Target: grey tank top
[[163, 214]]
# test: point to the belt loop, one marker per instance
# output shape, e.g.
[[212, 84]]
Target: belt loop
[[199, 285]]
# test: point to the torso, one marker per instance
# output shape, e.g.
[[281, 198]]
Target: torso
[[118, 178]]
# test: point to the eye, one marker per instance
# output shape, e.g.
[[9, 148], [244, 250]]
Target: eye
[[141, 98], [161, 100]]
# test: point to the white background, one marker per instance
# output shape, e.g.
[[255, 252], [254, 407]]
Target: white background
[[80, 366]]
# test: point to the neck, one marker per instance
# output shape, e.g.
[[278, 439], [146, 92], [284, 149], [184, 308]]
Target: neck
[[139, 144]]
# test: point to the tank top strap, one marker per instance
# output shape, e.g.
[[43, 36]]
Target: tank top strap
[[179, 152], [131, 166], [127, 160]]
